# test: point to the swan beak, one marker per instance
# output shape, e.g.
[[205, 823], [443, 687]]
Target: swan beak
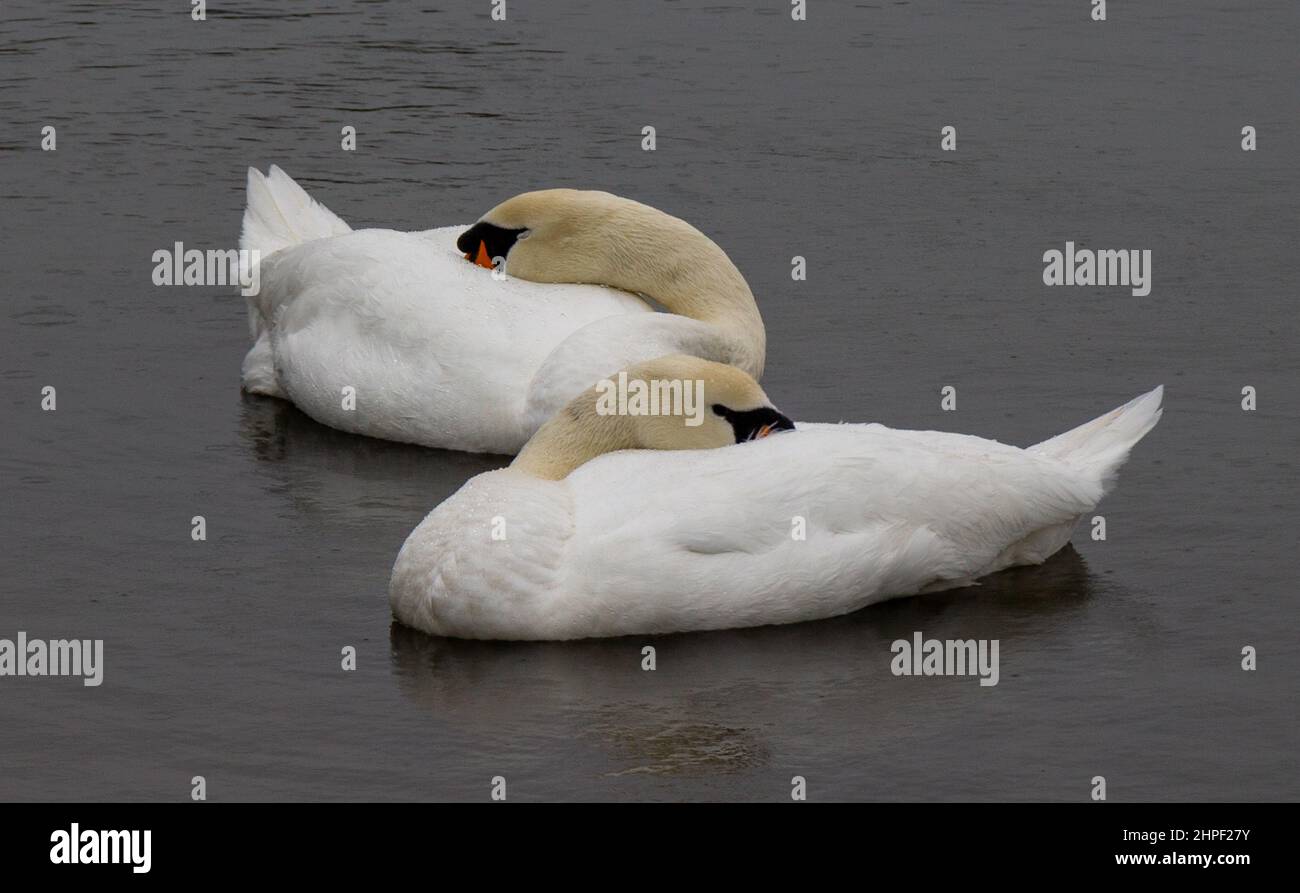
[[780, 423], [482, 259]]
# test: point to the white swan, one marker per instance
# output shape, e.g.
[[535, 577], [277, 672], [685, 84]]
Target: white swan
[[441, 352], [569, 543]]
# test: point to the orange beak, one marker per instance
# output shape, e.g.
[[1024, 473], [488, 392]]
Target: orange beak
[[482, 259], [765, 430]]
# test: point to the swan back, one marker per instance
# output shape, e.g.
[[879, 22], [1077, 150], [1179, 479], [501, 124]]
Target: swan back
[[437, 351]]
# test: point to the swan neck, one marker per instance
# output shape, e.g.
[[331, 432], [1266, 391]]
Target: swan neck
[[719, 296], [575, 436], [673, 263]]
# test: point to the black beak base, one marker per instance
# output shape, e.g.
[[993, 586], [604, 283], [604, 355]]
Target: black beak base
[[496, 239], [752, 424]]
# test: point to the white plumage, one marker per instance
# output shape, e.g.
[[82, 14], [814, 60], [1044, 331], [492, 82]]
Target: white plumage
[[437, 351], [643, 542]]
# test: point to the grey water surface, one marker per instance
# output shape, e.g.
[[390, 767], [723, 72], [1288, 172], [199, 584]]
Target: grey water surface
[[1120, 658]]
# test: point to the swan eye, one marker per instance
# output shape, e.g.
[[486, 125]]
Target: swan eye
[[523, 234]]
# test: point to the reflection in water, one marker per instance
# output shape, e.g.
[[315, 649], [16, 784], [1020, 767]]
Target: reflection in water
[[706, 707], [277, 431], [663, 745], [352, 479]]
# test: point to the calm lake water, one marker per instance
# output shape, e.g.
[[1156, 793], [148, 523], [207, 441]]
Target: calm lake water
[[1118, 658]]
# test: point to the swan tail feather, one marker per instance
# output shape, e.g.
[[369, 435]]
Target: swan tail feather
[[1101, 446], [279, 214]]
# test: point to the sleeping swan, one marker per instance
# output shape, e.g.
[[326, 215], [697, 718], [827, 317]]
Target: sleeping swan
[[441, 352], [609, 525]]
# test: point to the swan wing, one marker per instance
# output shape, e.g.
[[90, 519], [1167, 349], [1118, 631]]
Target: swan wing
[[817, 522]]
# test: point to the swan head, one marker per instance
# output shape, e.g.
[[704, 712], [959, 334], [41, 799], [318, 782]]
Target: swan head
[[720, 405], [670, 403], [552, 235]]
